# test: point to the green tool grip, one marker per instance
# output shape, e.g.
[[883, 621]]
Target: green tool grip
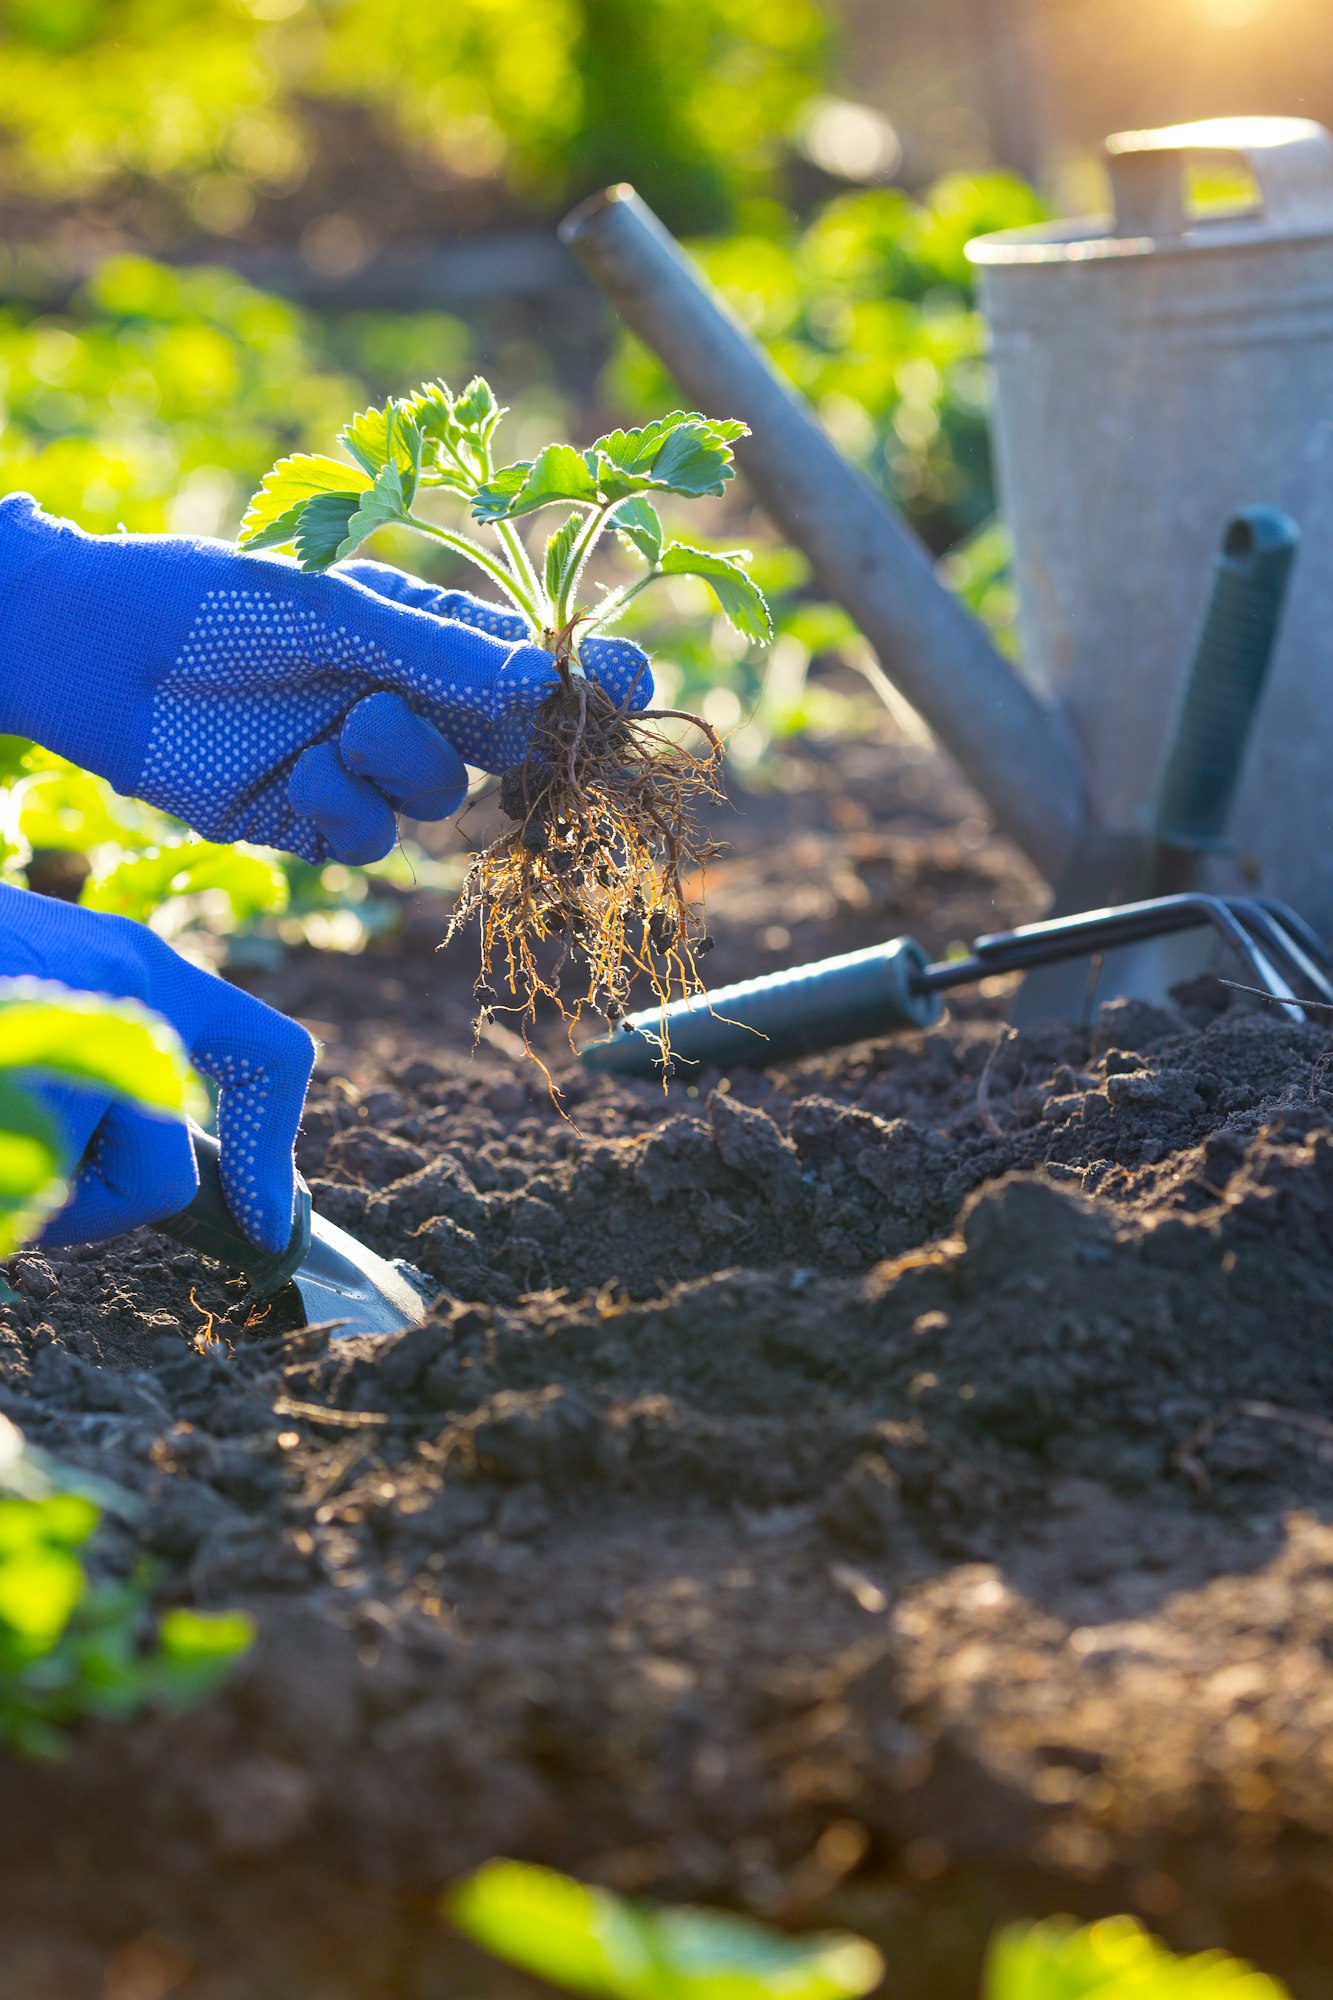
[[1225, 680], [784, 1014], [208, 1225]]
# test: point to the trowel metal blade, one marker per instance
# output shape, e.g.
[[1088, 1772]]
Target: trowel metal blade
[[341, 1279]]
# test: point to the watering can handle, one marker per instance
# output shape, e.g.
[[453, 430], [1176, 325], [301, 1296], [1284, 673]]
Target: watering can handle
[[1225, 680], [1291, 160]]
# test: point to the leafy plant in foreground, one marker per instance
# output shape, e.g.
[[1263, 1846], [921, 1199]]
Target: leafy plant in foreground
[[591, 1941], [601, 840], [70, 1648], [594, 1942], [113, 1046], [1115, 1959]]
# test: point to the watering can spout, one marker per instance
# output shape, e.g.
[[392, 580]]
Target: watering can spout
[[1018, 750]]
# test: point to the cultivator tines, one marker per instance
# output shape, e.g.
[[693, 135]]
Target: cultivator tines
[[893, 986]]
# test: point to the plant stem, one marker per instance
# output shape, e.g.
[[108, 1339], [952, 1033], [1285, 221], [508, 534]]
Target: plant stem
[[578, 556], [615, 601], [520, 562], [496, 570]]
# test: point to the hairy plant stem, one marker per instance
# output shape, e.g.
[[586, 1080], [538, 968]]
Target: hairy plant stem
[[524, 570], [615, 601], [588, 536]]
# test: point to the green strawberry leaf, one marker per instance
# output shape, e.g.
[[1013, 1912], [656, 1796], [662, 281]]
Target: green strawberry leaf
[[383, 504], [291, 483], [693, 461], [615, 483], [635, 450], [559, 549], [432, 406], [375, 437], [741, 600], [476, 411], [323, 528], [278, 533], [638, 526], [494, 501], [408, 439], [391, 436], [557, 473]]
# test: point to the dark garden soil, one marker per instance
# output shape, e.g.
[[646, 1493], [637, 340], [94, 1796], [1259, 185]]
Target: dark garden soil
[[894, 1489]]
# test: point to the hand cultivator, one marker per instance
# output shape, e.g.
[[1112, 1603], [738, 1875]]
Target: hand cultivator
[[891, 986]]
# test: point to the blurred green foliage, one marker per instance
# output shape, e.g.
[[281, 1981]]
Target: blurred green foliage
[[692, 99], [71, 1649], [589, 1941], [593, 1942], [157, 399], [1115, 1959], [870, 311]]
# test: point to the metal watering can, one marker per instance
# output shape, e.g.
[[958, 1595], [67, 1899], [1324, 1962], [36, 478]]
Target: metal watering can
[[1154, 373]]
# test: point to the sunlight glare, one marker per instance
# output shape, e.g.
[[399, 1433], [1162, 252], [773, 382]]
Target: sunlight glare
[[1231, 13]]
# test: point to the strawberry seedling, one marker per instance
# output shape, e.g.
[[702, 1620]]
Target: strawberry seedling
[[601, 840]]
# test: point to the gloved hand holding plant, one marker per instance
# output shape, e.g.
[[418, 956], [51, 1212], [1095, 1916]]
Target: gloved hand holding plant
[[598, 795]]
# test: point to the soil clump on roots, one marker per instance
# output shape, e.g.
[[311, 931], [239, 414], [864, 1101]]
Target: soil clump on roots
[[839, 1490]]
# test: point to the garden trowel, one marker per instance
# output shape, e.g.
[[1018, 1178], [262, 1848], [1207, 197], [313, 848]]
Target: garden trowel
[[1169, 854], [336, 1278]]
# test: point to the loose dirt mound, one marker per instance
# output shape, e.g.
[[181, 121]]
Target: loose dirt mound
[[896, 1487]]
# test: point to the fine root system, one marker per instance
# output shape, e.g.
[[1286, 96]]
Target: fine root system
[[591, 881]]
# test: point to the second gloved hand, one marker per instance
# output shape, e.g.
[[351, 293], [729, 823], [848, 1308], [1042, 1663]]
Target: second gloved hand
[[260, 702], [136, 1167]]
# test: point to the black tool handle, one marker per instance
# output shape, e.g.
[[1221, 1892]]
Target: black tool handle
[[208, 1225], [1225, 680]]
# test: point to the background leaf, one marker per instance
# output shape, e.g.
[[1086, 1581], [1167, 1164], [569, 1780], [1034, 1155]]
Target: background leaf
[[138, 884]]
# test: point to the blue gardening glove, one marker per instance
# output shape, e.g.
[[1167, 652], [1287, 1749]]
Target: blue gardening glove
[[260, 702], [137, 1167]]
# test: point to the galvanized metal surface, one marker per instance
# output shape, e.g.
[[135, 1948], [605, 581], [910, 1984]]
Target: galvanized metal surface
[[1154, 373]]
